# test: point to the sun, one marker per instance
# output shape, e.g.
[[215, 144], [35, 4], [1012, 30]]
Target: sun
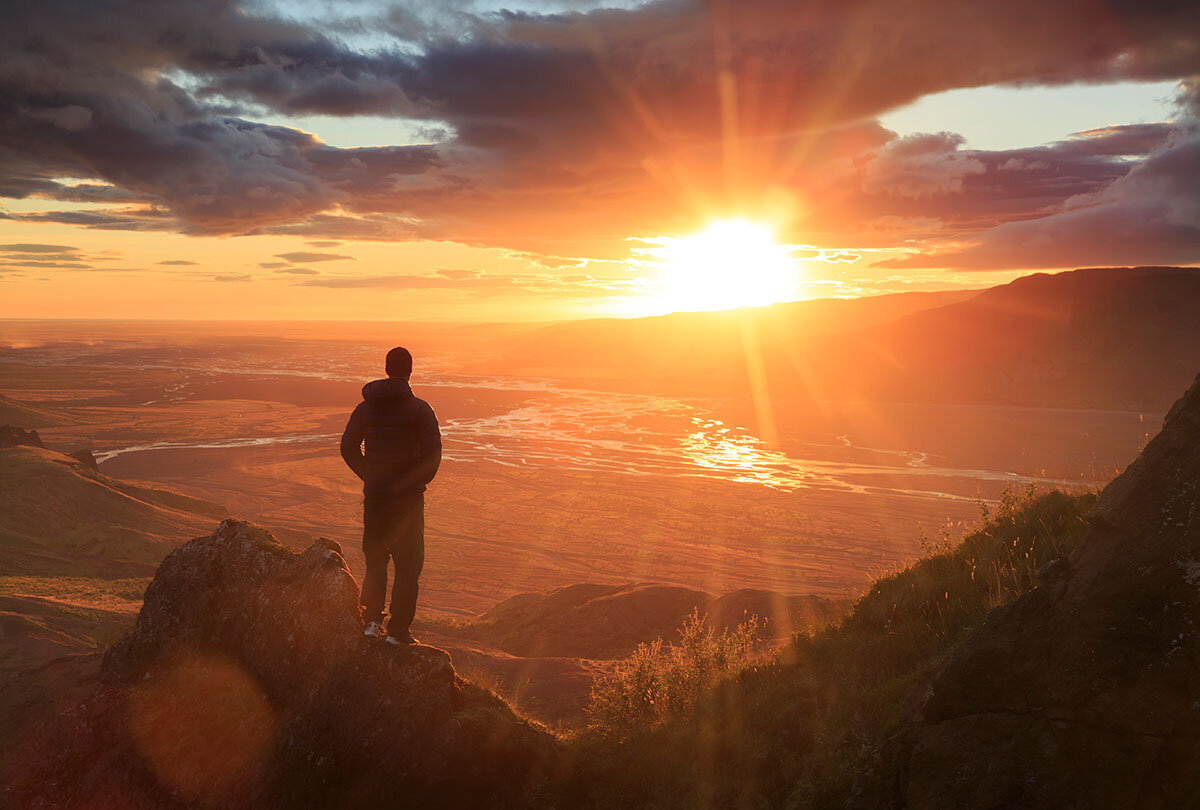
[[731, 263]]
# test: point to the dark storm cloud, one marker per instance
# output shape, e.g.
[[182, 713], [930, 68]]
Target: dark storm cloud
[[592, 126]]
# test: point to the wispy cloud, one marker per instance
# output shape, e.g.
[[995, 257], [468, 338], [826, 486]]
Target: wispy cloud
[[299, 256]]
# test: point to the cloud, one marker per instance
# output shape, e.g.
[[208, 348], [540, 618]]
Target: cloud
[[559, 132], [919, 166], [298, 256], [297, 271], [45, 263], [324, 243], [178, 262], [459, 274], [233, 277], [1151, 215], [411, 282], [26, 247], [1016, 185]]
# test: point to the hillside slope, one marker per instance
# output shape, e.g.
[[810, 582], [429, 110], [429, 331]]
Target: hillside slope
[[1099, 666], [1050, 660], [1121, 338], [1116, 338], [76, 551], [58, 517], [14, 412], [609, 621], [683, 348]]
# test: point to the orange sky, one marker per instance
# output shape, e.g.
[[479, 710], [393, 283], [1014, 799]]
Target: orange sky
[[214, 159]]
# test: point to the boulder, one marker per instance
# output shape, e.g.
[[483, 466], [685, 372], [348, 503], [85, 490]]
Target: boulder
[[86, 458], [1085, 692], [16, 437], [247, 682]]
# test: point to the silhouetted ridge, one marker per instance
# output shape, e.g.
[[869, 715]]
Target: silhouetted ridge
[[246, 682], [1083, 693]]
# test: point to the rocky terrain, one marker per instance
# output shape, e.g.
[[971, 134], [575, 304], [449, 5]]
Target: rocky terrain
[[1084, 692], [246, 682]]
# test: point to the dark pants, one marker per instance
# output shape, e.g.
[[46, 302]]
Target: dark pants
[[393, 528]]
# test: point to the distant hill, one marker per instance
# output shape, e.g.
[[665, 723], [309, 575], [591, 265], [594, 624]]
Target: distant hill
[[58, 517], [609, 621], [1119, 338], [1126, 338], [76, 552], [689, 347], [13, 412]]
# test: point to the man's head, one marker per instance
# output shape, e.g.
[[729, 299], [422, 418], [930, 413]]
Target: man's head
[[399, 363]]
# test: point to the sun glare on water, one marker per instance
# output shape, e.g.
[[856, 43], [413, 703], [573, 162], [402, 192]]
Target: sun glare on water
[[731, 263]]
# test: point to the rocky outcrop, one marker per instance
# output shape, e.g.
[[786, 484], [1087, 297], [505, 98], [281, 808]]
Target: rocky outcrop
[[86, 458], [246, 682], [1085, 693], [16, 437]]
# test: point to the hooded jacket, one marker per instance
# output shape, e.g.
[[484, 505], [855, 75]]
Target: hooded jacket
[[392, 441]]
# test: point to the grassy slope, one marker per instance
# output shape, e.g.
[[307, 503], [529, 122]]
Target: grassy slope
[[608, 621], [77, 549], [19, 414], [817, 725], [57, 517]]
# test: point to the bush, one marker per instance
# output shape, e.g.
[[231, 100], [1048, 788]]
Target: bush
[[662, 681], [817, 724]]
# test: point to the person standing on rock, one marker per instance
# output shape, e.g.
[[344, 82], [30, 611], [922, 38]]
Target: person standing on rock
[[392, 442]]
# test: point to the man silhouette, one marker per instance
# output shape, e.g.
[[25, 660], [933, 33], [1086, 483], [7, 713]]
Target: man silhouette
[[403, 448]]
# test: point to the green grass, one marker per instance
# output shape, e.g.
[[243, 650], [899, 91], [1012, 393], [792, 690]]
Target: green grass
[[818, 723]]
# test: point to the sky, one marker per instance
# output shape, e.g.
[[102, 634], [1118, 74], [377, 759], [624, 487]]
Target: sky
[[472, 161]]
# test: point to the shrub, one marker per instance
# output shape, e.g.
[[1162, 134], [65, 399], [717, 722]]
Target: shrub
[[817, 724], [660, 681]]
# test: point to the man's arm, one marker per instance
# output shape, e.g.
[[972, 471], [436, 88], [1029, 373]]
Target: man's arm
[[431, 446], [352, 439]]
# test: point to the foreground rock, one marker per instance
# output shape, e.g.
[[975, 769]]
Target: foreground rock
[[247, 683], [1086, 692], [16, 437]]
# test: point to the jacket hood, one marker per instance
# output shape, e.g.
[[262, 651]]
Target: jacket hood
[[390, 388]]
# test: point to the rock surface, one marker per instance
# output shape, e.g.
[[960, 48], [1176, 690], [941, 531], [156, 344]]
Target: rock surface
[[86, 458], [1086, 692], [16, 437], [246, 682]]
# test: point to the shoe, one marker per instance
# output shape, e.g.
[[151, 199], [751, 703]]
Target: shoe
[[374, 630], [403, 640]]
